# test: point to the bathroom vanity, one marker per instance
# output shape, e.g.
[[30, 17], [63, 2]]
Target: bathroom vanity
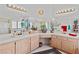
[[25, 44], [22, 44]]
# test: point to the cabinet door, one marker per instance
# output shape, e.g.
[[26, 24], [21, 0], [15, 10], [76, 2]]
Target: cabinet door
[[69, 45], [56, 42], [8, 48], [53, 42], [34, 42], [23, 46], [77, 49]]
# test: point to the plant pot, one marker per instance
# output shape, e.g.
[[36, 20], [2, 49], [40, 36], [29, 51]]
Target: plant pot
[[44, 31]]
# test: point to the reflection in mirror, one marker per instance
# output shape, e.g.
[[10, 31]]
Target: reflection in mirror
[[19, 24], [14, 24], [5, 25]]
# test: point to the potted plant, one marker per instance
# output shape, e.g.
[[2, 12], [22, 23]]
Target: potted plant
[[43, 27]]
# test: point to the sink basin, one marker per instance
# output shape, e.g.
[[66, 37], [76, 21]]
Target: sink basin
[[72, 34]]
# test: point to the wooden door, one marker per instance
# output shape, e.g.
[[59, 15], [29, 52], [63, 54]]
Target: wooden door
[[34, 42], [58, 42], [23, 46], [8, 48], [69, 45], [54, 41]]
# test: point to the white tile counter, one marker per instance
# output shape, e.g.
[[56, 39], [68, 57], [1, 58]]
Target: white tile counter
[[66, 35], [59, 34], [8, 38]]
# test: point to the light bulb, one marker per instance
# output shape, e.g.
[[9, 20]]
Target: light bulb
[[21, 9], [57, 12], [9, 5], [62, 11], [17, 7], [13, 6], [24, 10], [73, 9], [65, 11]]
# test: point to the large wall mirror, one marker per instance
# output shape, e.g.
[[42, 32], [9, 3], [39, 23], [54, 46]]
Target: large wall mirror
[[5, 25]]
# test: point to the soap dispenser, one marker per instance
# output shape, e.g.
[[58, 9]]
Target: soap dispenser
[[69, 28]]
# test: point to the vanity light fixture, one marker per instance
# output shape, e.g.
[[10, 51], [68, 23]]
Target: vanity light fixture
[[73, 9], [9, 5], [65, 11], [62, 11], [16, 7], [13, 6], [68, 10], [58, 12]]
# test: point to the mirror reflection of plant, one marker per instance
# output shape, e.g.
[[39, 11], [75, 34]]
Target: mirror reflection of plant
[[43, 27], [25, 24], [52, 27], [33, 27]]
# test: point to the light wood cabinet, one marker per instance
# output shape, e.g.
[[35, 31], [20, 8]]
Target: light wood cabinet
[[23, 46], [77, 50], [59, 41], [34, 42], [53, 41], [56, 42], [69, 45], [8, 48]]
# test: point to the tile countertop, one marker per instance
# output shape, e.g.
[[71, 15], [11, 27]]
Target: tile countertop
[[59, 34], [67, 35], [8, 38]]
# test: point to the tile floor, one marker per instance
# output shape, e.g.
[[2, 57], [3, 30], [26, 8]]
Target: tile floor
[[44, 48]]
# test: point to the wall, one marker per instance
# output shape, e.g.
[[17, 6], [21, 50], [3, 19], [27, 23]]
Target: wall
[[67, 18], [50, 10], [49, 13]]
